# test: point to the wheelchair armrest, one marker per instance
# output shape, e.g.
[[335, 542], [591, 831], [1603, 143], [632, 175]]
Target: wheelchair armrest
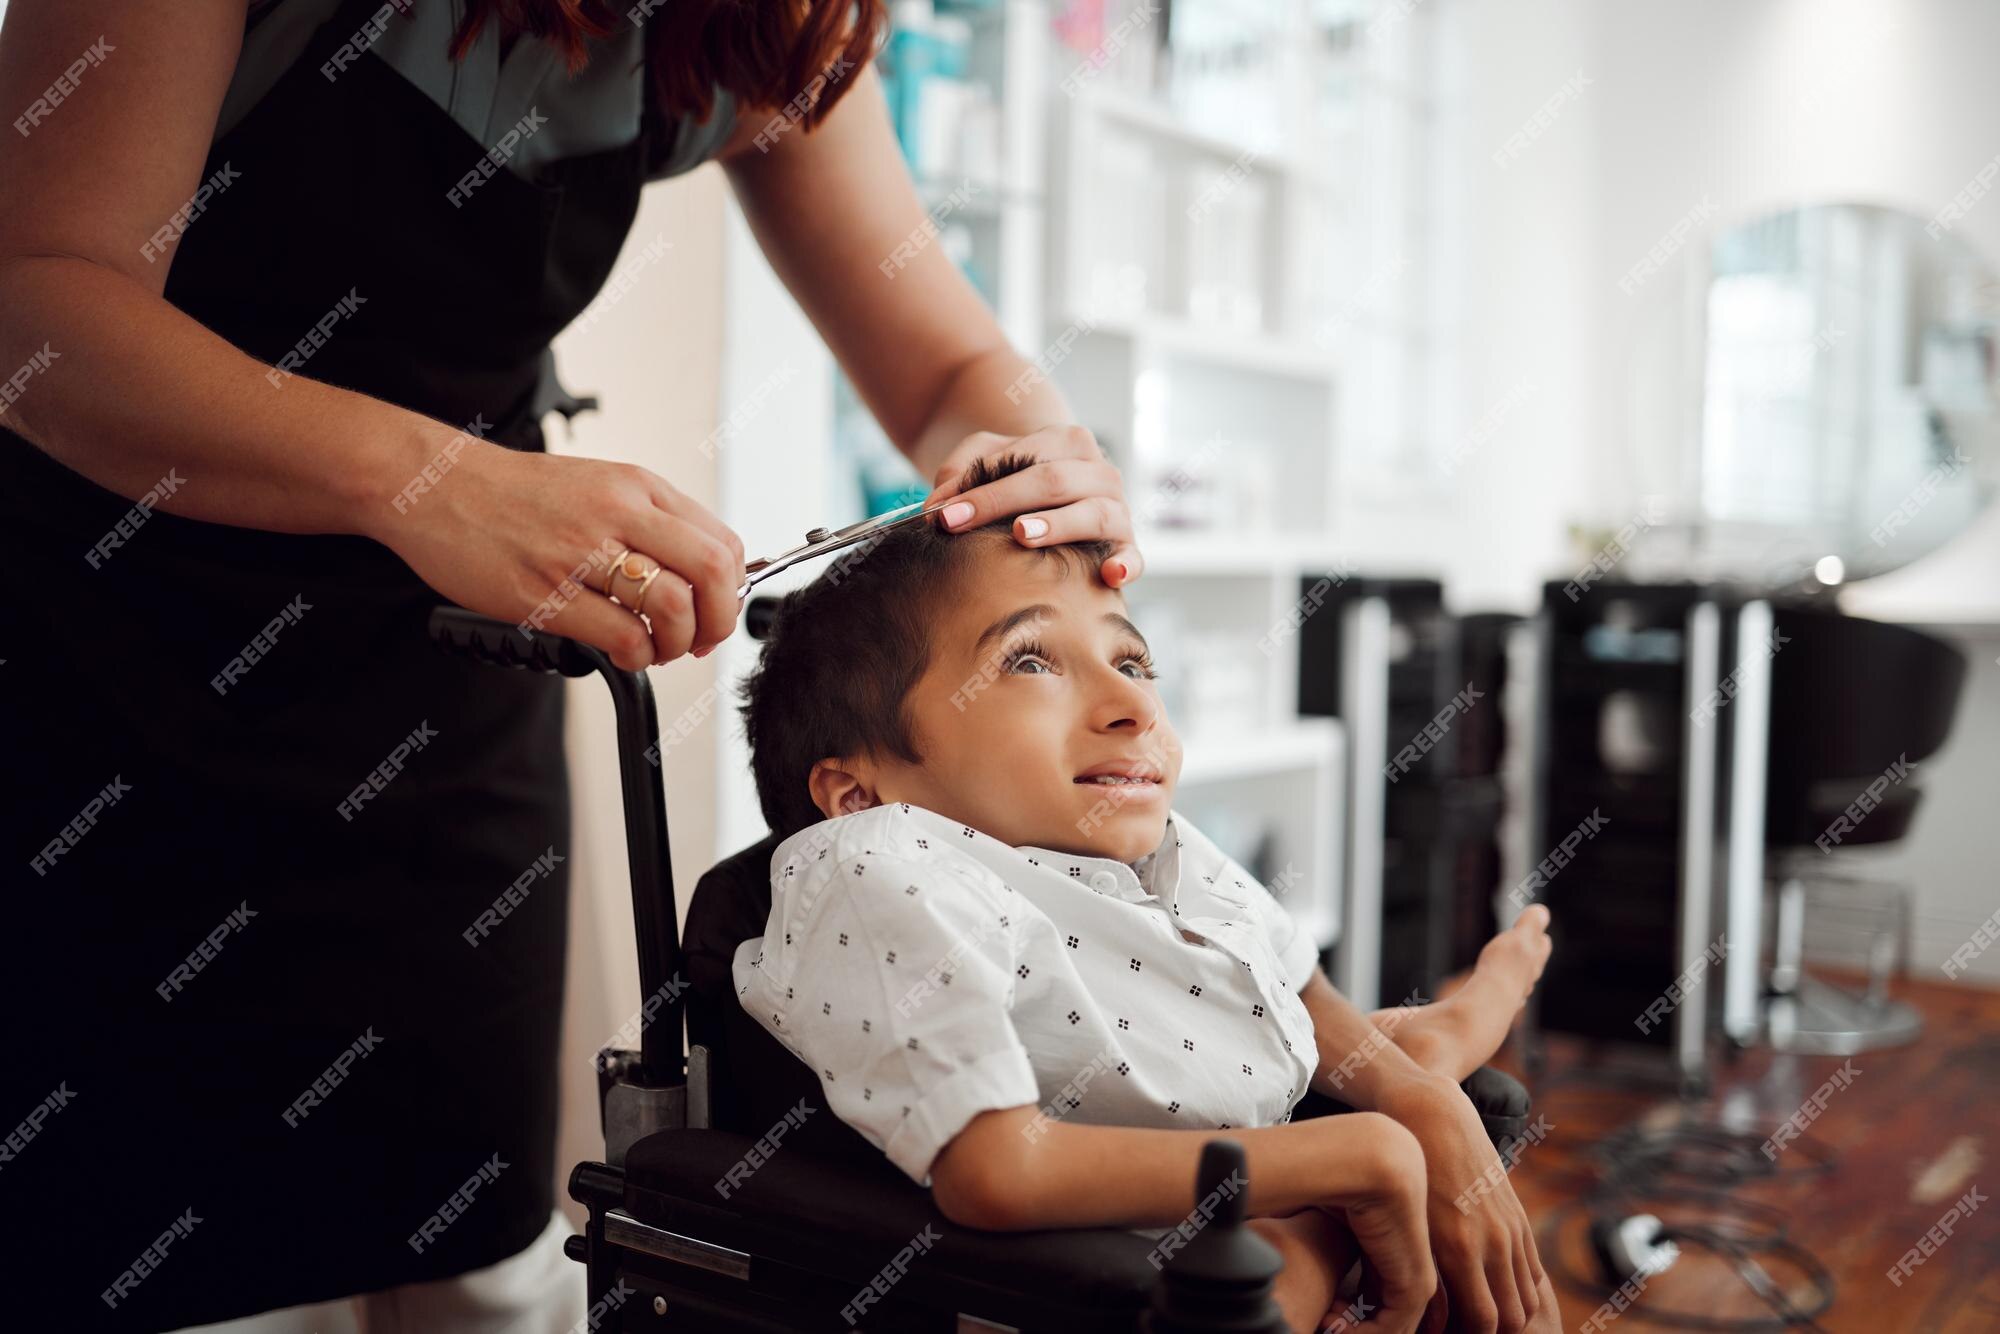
[[1502, 1103]]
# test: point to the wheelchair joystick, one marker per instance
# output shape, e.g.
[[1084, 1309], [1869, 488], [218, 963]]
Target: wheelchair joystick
[[1220, 1279]]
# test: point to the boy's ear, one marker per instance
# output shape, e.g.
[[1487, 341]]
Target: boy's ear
[[838, 790]]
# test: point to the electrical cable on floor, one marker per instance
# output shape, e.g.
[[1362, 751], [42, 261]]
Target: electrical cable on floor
[[1696, 1163]]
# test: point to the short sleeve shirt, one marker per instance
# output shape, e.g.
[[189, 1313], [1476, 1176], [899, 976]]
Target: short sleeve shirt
[[927, 972]]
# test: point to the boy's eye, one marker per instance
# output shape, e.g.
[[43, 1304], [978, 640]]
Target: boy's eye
[[1025, 653], [1035, 654], [1136, 656]]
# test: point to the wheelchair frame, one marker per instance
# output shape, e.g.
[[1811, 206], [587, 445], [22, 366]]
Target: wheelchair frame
[[638, 1272]]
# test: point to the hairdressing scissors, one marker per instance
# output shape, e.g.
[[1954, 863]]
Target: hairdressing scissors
[[820, 541]]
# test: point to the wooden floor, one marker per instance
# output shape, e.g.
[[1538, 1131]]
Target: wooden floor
[[1912, 1132]]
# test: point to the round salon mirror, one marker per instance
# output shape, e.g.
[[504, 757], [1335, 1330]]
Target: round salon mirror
[[1850, 393]]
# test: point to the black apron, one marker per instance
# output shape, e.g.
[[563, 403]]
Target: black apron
[[335, 1060]]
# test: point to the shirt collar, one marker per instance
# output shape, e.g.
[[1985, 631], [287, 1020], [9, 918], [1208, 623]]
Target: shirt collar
[[1157, 874]]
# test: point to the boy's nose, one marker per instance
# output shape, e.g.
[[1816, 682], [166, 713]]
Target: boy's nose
[[1126, 706]]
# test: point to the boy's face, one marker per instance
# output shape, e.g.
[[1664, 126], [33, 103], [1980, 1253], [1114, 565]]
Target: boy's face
[[1037, 685]]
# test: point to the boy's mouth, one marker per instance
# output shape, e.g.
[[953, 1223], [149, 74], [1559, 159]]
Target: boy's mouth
[[1121, 774]]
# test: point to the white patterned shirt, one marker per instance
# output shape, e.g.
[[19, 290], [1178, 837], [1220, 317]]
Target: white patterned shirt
[[927, 972]]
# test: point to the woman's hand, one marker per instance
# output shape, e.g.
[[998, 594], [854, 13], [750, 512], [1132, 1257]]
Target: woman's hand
[[528, 538], [1072, 493], [1478, 1230]]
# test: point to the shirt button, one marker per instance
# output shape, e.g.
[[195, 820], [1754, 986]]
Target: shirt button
[[1103, 882]]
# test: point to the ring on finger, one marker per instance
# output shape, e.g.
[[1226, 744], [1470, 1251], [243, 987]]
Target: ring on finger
[[648, 584], [638, 603], [611, 573], [635, 566]]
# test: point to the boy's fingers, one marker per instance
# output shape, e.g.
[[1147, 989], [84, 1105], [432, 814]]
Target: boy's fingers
[[1438, 1314], [1501, 1284], [1524, 1284]]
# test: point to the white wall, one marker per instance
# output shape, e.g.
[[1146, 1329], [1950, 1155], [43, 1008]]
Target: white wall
[[1522, 370]]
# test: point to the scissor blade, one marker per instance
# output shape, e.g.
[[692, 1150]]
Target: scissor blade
[[891, 518], [762, 569]]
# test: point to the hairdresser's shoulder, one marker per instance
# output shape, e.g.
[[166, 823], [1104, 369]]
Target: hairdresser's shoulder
[[897, 832]]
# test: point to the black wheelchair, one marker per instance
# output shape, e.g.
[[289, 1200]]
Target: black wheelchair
[[802, 1242]]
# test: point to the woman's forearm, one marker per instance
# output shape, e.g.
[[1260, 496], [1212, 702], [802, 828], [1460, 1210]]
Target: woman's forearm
[[133, 391], [997, 391]]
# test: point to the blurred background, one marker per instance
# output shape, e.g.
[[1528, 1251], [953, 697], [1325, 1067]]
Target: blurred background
[[1562, 437]]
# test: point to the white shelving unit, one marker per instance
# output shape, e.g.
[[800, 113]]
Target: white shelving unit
[[1252, 328]]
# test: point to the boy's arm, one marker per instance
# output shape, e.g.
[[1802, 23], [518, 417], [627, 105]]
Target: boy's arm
[[1484, 1246], [1013, 1169], [1359, 1063]]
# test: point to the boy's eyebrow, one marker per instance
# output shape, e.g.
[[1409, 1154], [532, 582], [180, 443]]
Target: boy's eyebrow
[[1041, 611], [1126, 626]]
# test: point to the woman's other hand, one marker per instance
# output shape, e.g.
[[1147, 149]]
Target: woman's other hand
[[528, 538], [1072, 493]]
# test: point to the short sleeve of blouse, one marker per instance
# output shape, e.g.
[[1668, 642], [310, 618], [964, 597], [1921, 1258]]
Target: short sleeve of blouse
[[682, 144]]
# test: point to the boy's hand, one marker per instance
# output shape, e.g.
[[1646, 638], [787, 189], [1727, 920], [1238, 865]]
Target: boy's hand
[[1389, 1223], [1072, 492], [1479, 1233]]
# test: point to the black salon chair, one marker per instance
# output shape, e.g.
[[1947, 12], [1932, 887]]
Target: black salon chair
[[792, 1245], [1851, 700]]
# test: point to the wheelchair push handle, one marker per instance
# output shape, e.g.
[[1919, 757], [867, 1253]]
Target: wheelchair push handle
[[499, 644]]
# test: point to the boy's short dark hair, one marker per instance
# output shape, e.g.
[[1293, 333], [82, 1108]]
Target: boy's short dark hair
[[844, 652]]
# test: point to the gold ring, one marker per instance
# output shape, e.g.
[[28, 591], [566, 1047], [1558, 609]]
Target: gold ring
[[606, 587], [633, 565], [639, 600]]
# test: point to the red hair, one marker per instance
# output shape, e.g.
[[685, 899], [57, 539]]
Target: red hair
[[765, 52]]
